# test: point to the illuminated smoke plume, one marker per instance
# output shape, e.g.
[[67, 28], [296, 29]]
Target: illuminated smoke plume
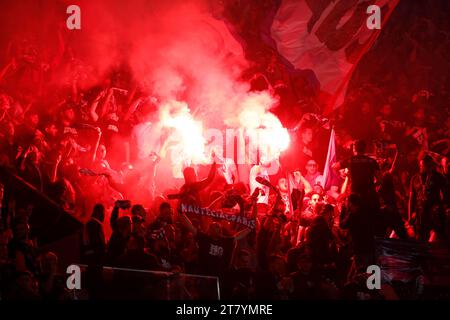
[[193, 59], [186, 143]]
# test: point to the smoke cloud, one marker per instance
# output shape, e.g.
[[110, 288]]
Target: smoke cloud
[[175, 50]]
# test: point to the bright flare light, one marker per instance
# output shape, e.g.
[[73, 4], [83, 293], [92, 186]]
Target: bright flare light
[[186, 142], [268, 134]]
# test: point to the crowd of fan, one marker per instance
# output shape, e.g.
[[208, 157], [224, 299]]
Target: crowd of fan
[[314, 245]]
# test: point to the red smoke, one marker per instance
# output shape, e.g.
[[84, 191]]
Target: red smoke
[[175, 50]]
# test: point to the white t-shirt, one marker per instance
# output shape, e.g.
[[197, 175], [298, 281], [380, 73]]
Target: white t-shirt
[[313, 180]]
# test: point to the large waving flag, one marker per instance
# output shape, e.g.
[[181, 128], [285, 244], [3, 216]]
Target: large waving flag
[[328, 37]]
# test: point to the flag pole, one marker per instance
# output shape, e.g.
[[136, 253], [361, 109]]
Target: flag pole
[[326, 167]]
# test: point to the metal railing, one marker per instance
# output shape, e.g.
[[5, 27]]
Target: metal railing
[[129, 283]]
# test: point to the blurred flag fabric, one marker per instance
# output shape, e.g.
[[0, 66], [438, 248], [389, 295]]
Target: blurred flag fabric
[[328, 37], [320, 40]]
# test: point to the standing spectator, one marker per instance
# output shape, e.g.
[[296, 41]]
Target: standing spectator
[[363, 172], [359, 223], [95, 242], [426, 202], [95, 248], [52, 283], [135, 256], [122, 228], [215, 249], [21, 248]]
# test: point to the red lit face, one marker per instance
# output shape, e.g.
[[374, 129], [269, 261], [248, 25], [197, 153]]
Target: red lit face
[[51, 130], [69, 114], [282, 184], [311, 167], [315, 199]]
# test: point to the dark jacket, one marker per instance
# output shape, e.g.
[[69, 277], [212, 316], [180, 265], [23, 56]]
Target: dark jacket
[[96, 246]]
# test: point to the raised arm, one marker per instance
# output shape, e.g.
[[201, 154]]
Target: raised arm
[[345, 184], [54, 176], [104, 106], [205, 182], [245, 232], [7, 67], [97, 143], [412, 201], [301, 179], [93, 110], [23, 158], [215, 202], [394, 162], [132, 108], [275, 238]]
